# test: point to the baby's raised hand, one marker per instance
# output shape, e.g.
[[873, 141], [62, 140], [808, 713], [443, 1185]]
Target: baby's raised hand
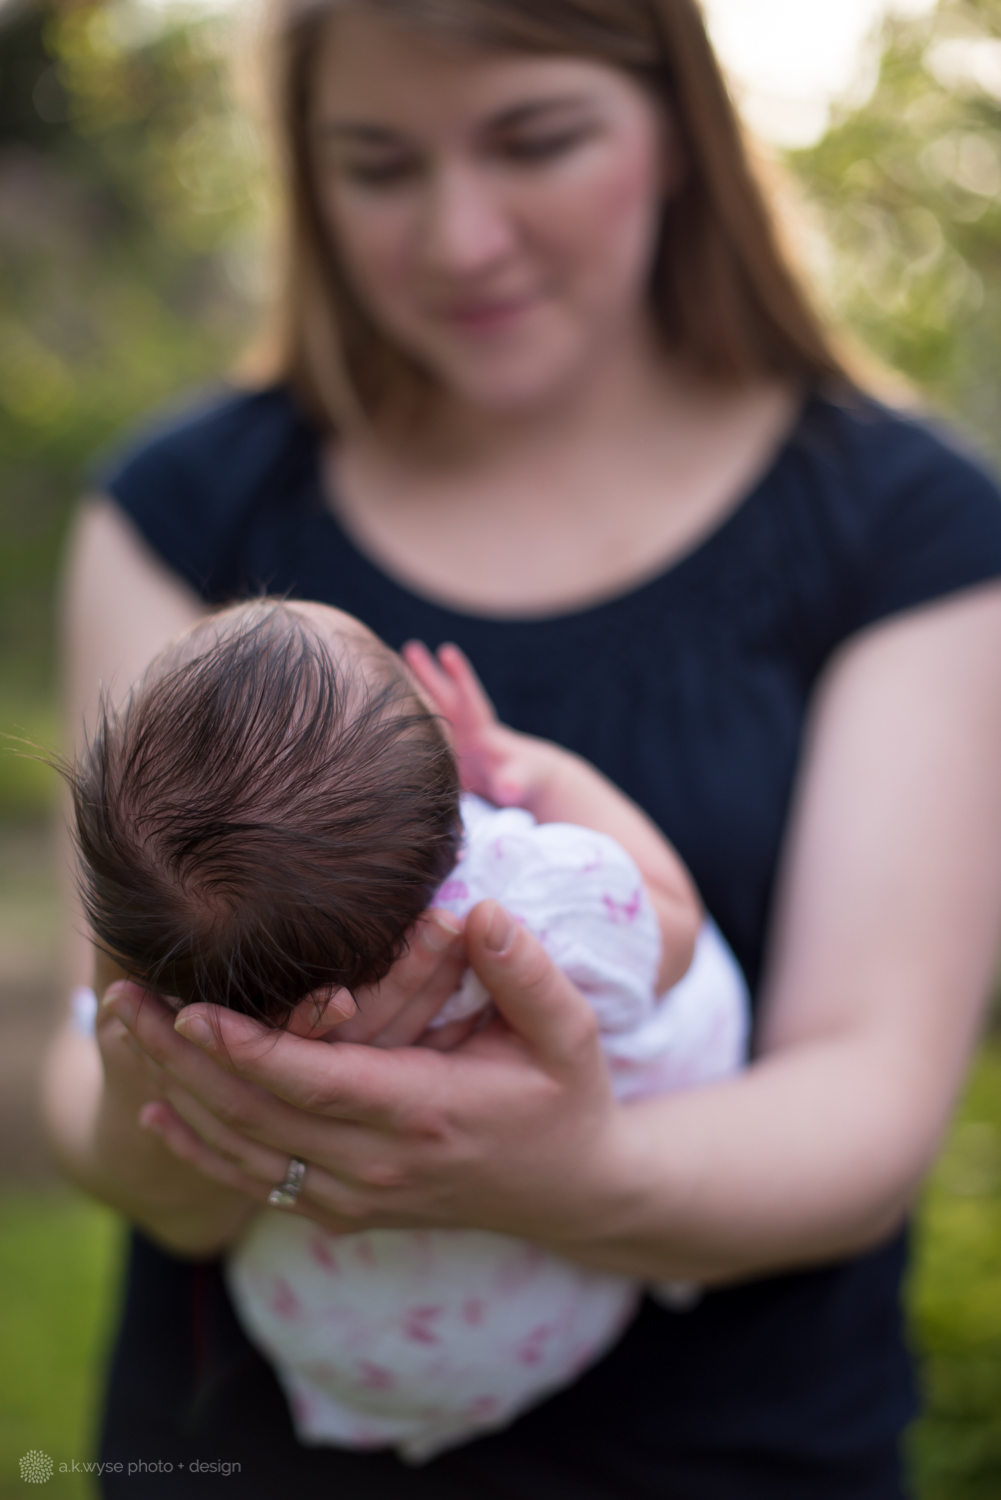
[[495, 762]]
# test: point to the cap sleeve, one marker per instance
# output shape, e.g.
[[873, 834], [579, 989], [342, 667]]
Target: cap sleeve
[[935, 527]]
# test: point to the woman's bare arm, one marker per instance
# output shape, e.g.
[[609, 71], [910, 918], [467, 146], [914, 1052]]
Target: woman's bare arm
[[883, 953]]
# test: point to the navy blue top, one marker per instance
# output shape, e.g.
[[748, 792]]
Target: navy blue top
[[690, 691]]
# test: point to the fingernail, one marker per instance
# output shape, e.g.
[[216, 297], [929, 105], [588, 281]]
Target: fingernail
[[148, 1120], [442, 931], [341, 1004], [196, 1030], [500, 931], [118, 1002], [330, 1007]]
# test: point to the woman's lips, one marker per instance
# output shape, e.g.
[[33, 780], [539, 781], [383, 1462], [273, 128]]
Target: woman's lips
[[488, 316]]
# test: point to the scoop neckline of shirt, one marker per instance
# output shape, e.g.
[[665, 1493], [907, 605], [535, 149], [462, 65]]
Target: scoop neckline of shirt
[[664, 576]]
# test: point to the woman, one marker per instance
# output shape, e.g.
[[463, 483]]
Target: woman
[[547, 388]]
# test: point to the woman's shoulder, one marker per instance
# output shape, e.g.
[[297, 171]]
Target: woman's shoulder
[[907, 505], [190, 480], [879, 449]]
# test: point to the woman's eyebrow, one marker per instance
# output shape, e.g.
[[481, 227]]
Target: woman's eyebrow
[[359, 133], [368, 133], [535, 109]]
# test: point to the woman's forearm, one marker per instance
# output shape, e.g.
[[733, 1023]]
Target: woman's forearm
[[715, 1184], [97, 1142]]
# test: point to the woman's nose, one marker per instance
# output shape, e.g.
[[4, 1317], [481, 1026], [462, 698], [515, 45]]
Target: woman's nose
[[467, 227]]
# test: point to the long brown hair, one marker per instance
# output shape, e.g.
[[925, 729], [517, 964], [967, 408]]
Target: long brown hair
[[723, 293]]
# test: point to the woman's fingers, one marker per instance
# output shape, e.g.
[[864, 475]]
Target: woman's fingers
[[367, 1085], [410, 1024], [450, 1036], [364, 1195], [396, 1011], [196, 1135], [237, 1103], [242, 1135], [391, 1014], [339, 1210], [264, 1164], [535, 998], [391, 1088], [161, 1119], [257, 1081], [397, 1090], [322, 1012], [126, 1065]]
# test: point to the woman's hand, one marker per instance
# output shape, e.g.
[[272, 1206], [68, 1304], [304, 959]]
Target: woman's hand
[[96, 1091], [514, 1131], [398, 1011], [100, 1090]]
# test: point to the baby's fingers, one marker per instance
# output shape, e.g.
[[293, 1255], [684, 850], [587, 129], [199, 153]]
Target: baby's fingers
[[436, 683], [474, 705]]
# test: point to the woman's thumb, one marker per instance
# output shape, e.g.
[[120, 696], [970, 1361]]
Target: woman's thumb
[[535, 998]]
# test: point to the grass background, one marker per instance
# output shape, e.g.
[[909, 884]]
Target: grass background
[[59, 1265], [955, 1301]]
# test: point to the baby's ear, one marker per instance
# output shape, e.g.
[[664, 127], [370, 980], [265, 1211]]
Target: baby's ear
[[322, 1011]]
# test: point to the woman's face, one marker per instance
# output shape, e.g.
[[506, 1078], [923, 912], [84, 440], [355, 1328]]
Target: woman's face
[[497, 213]]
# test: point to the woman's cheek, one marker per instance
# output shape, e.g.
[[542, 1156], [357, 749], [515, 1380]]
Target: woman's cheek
[[604, 223], [374, 243]]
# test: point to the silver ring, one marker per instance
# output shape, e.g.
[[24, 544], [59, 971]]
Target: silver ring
[[287, 1194]]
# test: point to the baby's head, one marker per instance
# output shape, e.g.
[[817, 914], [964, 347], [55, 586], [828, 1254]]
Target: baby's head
[[268, 814]]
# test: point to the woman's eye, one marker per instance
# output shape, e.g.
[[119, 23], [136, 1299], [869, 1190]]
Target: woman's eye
[[379, 173], [542, 148]]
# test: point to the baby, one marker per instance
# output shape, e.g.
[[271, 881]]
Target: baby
[[264, 821]]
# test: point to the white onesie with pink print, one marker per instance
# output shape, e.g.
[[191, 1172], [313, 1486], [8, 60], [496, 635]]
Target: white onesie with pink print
[[421, 1339]]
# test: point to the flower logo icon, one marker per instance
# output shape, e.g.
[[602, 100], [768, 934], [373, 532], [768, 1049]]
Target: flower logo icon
[[36, 1467]]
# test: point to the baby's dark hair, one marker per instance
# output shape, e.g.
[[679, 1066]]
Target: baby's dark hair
[[267, 815]]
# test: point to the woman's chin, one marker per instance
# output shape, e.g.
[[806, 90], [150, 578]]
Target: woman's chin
[[521, 388]]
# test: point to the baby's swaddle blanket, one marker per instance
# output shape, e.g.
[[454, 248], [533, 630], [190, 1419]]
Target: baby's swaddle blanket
[[420, 1339]]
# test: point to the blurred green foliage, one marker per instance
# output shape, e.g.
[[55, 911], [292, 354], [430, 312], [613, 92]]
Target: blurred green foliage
[[956, 1301], [907, 193], [128, 219], [59, 1265], [29, 732]]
